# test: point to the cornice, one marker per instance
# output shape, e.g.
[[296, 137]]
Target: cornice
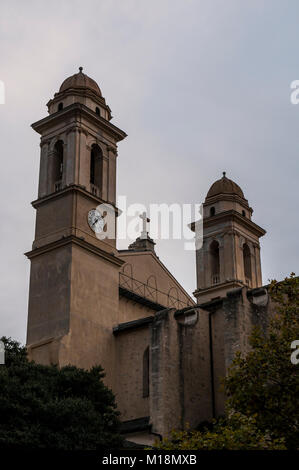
[[133, 324], [73, 240], [86, 92], [227, 197], [232, 283], [72, 188], [76, 110], [233, 216], [140, 299]]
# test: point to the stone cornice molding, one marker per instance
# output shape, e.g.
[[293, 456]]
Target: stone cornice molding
[[232, 216], [227, 197], [77, 110], [72, 188], [82, 93], [72, 239]]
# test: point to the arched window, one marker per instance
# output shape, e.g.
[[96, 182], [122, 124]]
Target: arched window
[[98, 111], [212, 211], [60, 106], [247, 264], [243, 213], [96, 168], [146, 373], [58, 165], [215, 262]]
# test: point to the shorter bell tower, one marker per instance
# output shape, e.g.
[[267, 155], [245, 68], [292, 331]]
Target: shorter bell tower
[[230, 253]]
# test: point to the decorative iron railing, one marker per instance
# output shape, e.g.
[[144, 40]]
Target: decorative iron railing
[[151, 293]]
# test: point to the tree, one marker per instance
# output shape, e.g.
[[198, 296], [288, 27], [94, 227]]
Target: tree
[[235, 432], [44, 407], [262, 410], [265, 383]]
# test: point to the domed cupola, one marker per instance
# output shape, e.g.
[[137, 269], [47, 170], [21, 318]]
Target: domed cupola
[[80, 81], [225, 186], [226, 195], [80, 88]]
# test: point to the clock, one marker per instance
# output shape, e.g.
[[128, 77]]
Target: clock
[[95, 221]]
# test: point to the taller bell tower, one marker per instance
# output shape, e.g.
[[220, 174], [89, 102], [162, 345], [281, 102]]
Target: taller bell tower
[[230, 253], [73, 297]]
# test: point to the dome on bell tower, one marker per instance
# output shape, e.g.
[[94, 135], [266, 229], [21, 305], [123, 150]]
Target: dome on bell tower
[[228, 256], [80, 81], [225, 195], [80, 88], [225, 186]]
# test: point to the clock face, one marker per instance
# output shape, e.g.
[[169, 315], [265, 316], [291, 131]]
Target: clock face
[[95, 221]]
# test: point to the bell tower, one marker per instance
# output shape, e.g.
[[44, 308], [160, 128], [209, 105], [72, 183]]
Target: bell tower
[[73, 295], [230, 253]]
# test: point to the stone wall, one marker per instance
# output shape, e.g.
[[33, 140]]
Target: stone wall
[[165, 404], [232, 319], [191, 352], [130, 347]]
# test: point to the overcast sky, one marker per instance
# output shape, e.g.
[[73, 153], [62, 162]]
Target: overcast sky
[[199, 86]]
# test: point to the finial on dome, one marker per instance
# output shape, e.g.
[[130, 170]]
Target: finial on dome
[[80, 69], [224, 174]]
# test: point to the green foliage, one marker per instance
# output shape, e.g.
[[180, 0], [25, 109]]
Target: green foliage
[[262, 387], [265, 383], [234, 433], [47, 407]]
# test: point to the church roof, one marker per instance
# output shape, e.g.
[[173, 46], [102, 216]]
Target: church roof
[[225, 186], [80, 80]]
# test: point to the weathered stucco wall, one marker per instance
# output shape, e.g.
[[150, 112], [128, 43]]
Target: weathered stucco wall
[[50, 292], [130, 348], [194, 361], [130, 310], [232, 319], [165, 409], [94, 311]]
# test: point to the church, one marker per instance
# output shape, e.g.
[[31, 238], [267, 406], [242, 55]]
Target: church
[[89, 303]]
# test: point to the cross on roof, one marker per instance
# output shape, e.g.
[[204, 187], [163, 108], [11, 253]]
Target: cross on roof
[[145, 220]]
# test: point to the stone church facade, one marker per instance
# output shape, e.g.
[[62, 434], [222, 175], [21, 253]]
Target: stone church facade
[[89, 303]]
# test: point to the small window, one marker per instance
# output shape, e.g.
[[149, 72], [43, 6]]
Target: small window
[[243, 213], [60, 106], [98, 111], [212, 211]]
